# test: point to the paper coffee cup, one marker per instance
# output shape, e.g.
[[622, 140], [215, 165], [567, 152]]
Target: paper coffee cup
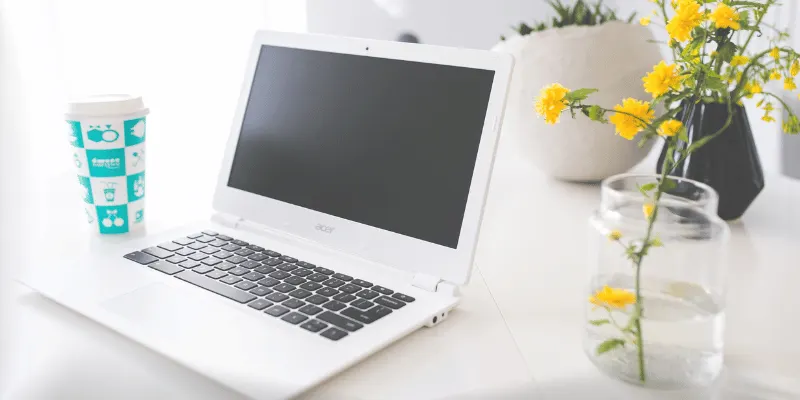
[[107, 134]]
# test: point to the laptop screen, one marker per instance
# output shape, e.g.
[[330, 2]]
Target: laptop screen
[[387, 143]]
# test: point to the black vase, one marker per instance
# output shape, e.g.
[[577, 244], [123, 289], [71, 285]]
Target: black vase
[[728, 163]]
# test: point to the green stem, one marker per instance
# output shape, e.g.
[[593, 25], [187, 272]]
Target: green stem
[[758, 22]]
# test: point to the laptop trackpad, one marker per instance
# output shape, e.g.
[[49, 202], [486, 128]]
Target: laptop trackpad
[[180, 315]]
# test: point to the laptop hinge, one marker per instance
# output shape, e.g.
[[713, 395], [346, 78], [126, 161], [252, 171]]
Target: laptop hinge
[[434, 284], [230, 221]]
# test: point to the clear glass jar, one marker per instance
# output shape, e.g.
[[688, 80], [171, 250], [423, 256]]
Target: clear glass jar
[[682, 284]]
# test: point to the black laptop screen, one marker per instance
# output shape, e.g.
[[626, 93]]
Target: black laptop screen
[[387, 143]]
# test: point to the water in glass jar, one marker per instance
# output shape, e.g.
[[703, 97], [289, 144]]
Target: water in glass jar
[[682, 329]]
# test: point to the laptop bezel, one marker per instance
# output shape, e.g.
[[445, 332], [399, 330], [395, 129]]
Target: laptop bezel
[[364, 241]]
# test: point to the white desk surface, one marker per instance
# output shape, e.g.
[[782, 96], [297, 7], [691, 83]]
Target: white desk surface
[[517, 333]]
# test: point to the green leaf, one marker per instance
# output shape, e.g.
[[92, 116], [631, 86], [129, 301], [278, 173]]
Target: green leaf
[[668, 184], [609, 344], [648, 187], [715, 83], [579, 94], [727, 51], [599, 322], [699, 143], [597, 114], [683, 135]]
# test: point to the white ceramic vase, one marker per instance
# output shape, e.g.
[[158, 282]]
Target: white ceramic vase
[[613, 58]]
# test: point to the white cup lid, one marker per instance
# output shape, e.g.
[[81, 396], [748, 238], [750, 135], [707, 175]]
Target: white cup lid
[[106, 104]]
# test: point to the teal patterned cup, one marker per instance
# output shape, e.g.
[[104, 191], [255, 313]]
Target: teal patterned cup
[[107, 136]]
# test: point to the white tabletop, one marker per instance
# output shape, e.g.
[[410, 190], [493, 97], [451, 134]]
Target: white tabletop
[[516, 334]]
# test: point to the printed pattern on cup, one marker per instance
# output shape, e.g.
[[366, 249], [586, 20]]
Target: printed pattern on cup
[[109, 158]]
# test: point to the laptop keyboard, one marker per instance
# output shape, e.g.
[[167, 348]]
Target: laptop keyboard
[[316, 299]]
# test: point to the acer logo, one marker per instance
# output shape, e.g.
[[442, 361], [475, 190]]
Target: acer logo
[[324, 228]]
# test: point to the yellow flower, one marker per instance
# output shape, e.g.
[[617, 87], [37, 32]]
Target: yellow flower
[[615, 235], [687, 17], [768, 107], [788, 83], [645, 21], [725, 17], [670, 128], [739, 60], [752, 88], [767, 118], [663, 78], [795, 68], [551, 102], [775, 53], [775, 75], [628, 126], [647, 209], [613, 298]]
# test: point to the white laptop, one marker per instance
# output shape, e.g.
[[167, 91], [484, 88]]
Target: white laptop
[[348, 208]]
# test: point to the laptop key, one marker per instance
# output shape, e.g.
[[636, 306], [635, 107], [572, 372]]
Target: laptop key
[[334, 305], [350, 288], [243, 252], [284, 288], [343, 277], [306, 265], [359, 282], [311, 286], [218, 243], [244, 285], [301, 272], [224, 237], [344, 297], [294, 280], [184, 241], [268, 282], [211, 261], [288, 259], [258, 257], [362, 304], [237, 259], [318, 277], [333, 334], [277, 310], [185, 251], [222, 254], [293, 303], [231, 279], [339, 321], [255, 248], [272, 253], [239, 271], [273, 262], [259, 291], [400, 296], [367, 294], [197, 246], [203, 269], [194, 235], [225, 266], [165, 267], [326, 291], [280, 275], [287, 267], [300, 293], [259, 304], [264, 269], [389, 302], [294, 318], [205, 239], [158, 252], [176, 259], [368, 316], [210, 233], [216, 287], [317, 299], [310, 309], [323, 271], [198, 256], [170, 246], [141, 258], [333, 282], [276, 297], [230, 247], [239, 242], [253, 276], [250, 264], [216, 274], [313, 326], [382, 290], [209, 250], [189, 264]]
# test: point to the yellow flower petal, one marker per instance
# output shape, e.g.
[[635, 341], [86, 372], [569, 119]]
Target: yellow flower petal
[[775, 75], [615, 235], [739, 60], [775, 53], [663, 78], [613, 298], [631, 117], [788, 83], [645, 21], [551, 103], [687, 17], [647, 209], [725, 17], [795, 68], [670, 128]]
